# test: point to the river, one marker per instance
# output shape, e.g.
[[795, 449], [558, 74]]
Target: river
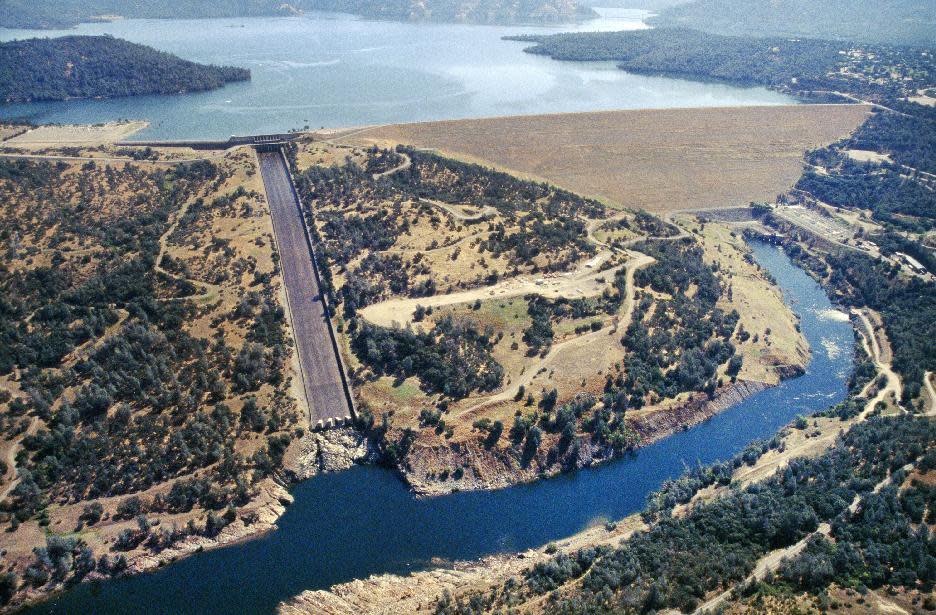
[[335, 70], [364, 521]]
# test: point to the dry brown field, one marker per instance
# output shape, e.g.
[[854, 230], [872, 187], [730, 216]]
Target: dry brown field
[[661, 160], [54, 135]]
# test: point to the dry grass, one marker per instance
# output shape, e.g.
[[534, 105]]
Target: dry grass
[[45, 136], [660, 160], [775, 341], [8, 131], [221, 247]]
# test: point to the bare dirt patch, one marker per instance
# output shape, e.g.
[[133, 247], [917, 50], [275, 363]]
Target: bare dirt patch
[[586, 281], [862, 155]]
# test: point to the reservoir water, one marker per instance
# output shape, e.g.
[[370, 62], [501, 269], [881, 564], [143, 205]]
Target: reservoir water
[[335, 70], [364, 521]]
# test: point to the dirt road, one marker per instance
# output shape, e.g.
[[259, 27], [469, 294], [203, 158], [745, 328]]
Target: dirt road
[[453, 211], [533, 370], [873, 346], [770, 562], [407, 163], [586, 281], [930, 392]]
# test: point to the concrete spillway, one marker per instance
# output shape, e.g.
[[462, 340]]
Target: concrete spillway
[[323, 379]]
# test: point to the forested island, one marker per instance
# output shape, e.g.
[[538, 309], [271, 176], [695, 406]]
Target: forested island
[[100, 67], [68, 13]]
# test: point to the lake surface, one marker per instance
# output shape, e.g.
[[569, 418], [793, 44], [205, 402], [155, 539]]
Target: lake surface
[[334, 70], [364, 521]]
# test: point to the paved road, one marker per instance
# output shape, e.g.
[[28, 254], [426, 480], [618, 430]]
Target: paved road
[[321, 371]]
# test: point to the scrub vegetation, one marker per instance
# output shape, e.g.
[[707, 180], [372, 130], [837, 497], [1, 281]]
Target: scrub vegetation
[[144, 360], [498, 368]]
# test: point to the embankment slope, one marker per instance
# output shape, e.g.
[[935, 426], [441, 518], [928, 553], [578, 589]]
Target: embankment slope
[[658, 159]]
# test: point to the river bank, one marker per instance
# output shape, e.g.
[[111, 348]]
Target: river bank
[[502, 468], [362, 522]]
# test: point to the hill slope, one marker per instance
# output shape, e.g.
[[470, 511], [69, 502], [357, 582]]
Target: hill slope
[[873, 72], [66, 13], [908, 22], [100, 66]]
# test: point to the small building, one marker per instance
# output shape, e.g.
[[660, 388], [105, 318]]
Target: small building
[[914, 265]]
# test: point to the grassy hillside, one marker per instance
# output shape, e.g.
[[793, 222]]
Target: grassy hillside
[[910, 22], [100, 66], [66, 13], [144, 364]]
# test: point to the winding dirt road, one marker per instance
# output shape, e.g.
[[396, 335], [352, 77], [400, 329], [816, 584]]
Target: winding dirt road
[[586, 281], [407, 163], [930, 392], [873, 347], [641, 261]]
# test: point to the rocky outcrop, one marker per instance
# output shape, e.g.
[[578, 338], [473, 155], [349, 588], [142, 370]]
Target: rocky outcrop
[[262, 514], [394, 595], [653, 426], [329, 451]]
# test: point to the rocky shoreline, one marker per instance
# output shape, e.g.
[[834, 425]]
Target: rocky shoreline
[[499, 468], [315, 453], [339, 449], [418, 592]]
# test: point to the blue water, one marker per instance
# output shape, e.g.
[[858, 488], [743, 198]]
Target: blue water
[[364, 521], [332, 70]]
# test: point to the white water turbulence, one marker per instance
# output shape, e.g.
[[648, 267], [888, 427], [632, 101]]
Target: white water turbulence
[[833, 315]]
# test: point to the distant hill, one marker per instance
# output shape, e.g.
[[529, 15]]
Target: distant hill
[[814, 68], [459, 11], [692, 54], [67, 13], [647, 5], [907, 22], [100, 66]]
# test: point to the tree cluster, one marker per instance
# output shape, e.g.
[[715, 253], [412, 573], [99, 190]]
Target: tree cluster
[[100, 67]]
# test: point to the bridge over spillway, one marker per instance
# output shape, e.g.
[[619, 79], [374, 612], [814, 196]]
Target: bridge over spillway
[[324, 381]]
